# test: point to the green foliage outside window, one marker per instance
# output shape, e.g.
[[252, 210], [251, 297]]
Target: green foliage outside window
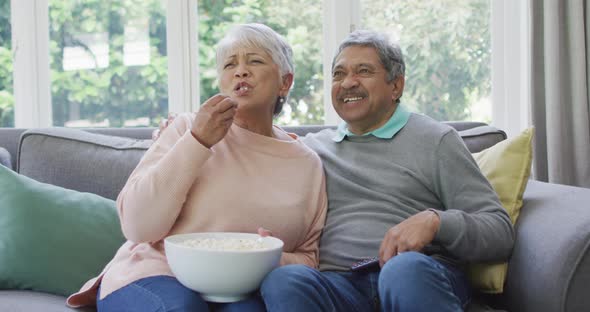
[[300, 22], [6, 93], [446, 44], [117, 92]]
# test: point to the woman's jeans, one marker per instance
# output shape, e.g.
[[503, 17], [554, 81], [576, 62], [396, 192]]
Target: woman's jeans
[[410, 281], [166, 294]]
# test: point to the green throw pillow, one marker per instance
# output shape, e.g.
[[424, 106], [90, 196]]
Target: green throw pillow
[[507, 165], [53, 239]]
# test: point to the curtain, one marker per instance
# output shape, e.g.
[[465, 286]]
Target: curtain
[[560, 73]]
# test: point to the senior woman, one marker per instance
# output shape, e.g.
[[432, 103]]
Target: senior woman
[[224, 168]]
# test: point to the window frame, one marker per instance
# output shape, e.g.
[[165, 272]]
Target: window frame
[[183, 53], [511, 65], [31, 80], [32, 83]]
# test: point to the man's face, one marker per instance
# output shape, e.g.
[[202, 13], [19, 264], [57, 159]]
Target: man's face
[[361, 94]]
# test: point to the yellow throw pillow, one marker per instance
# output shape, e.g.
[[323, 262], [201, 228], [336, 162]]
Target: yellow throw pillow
[[507, 165]]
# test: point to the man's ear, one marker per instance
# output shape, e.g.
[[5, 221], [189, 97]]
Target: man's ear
[[398, 87], [286, 83]]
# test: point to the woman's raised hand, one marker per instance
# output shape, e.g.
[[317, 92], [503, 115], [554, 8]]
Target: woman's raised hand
[[213, 119]]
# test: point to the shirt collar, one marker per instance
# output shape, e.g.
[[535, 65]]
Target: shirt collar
[[397, 121]]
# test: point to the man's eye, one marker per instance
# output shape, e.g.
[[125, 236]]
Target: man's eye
[[337, 74]]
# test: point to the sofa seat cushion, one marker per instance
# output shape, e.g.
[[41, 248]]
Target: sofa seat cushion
[[550, 265], [28, 301]]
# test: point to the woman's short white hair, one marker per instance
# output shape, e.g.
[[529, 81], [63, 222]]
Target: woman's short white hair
[[257, 36]]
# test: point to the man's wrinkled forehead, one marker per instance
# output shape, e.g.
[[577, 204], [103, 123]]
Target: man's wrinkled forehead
[[356, 56]]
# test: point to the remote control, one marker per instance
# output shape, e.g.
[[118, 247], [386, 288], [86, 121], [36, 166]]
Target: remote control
[[368, 264]]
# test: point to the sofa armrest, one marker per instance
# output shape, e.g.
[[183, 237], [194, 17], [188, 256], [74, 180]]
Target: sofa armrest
[[550, 264], [5, 159]]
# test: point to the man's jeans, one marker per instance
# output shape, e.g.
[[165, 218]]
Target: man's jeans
[[164, 294], [410, 281]]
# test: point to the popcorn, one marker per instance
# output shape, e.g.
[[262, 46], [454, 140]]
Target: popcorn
[[225, 244]]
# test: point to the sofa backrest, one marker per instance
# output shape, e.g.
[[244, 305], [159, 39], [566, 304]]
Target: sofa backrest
[[100, 160], [79, 160], [9, 139]]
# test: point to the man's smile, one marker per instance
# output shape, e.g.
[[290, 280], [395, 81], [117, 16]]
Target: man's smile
[[352, 99]]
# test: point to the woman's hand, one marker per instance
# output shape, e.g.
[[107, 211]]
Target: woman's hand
[[264, 232], [213, 119]]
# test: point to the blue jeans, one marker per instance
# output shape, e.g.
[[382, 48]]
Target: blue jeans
[[164, 294], [411, 281]]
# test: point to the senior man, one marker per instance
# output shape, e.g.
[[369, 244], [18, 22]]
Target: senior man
[[402, 187]]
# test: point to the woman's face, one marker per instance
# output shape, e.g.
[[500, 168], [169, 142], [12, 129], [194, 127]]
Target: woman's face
[[251, 78]]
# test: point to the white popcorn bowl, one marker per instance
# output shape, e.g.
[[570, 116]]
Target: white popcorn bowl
[[221, 275]]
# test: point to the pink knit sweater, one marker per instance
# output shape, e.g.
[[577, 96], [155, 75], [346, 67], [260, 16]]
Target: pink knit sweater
[[243, 182]]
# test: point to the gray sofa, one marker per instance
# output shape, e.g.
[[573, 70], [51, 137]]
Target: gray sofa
[[548, 271]]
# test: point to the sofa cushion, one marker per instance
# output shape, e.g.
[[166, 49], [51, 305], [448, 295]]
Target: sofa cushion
[[32, 301], [9, 139], [550, 265], [479, 138], [79, 160], [476, 136], [507, 165], [53, 239], [5, 159], [74, 158]]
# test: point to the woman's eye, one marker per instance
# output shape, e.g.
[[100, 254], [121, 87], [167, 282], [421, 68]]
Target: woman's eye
[[364, 71], [257, 61], [228, 65]]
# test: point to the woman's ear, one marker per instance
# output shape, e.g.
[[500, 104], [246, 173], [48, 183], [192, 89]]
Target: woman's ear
[[286, 84]]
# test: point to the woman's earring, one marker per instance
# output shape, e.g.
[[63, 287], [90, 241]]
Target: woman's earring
[[281, 99]]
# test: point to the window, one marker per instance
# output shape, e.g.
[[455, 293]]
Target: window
[[108, 63], [6, 94], [446, 45], [300, 22], [124, 63]]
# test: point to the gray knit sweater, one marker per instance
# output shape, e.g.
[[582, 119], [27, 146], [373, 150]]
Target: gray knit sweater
[[374, 184]]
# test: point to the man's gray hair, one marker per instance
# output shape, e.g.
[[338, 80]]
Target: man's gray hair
[[389, 53], [255, 35]]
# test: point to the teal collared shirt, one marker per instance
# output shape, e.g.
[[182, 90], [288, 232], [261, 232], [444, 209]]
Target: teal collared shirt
[[397, 121]]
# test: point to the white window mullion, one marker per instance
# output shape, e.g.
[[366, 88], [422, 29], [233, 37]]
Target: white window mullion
[[340, 18], [182, 47], [510, 65], [30, 37]]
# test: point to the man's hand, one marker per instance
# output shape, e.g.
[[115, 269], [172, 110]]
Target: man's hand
[[410, 235], [213, 119]]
